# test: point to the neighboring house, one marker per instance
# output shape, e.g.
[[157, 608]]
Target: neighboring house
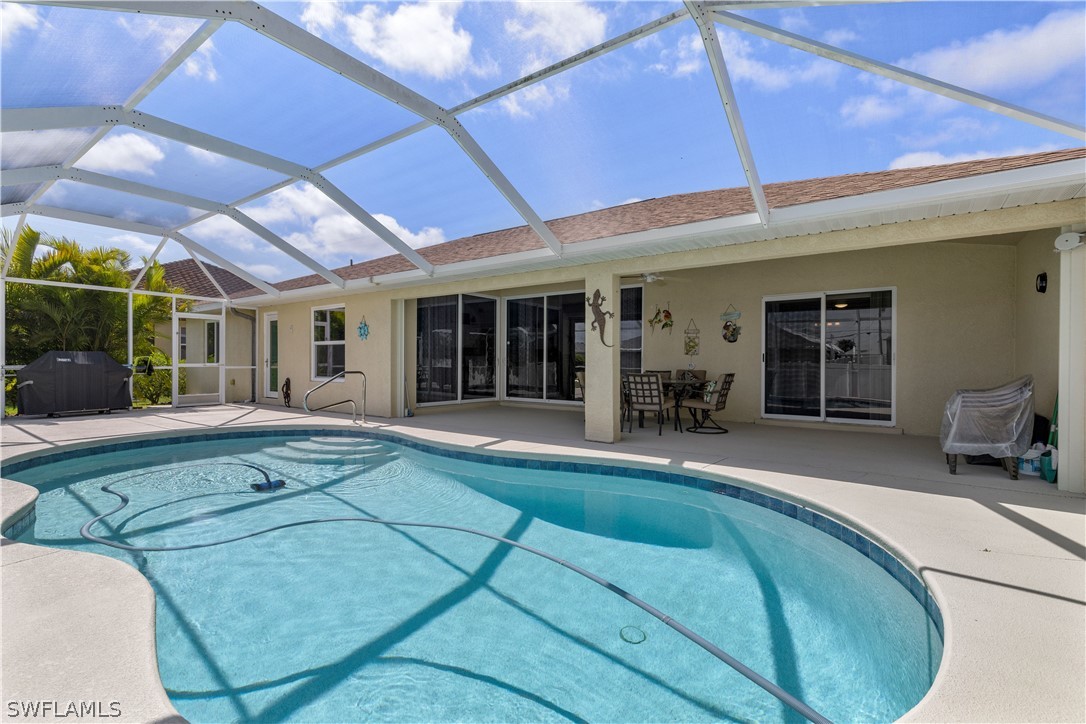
[[201, 341]]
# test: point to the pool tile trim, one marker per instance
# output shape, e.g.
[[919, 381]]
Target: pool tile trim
[[847, 535]]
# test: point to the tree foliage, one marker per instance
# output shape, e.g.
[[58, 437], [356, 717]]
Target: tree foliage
[[41, 318]]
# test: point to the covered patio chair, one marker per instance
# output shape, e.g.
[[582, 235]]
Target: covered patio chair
[[646, 394], [996, 422], [703, 406]]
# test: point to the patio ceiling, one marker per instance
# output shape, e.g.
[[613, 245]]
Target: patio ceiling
[[53, 125]]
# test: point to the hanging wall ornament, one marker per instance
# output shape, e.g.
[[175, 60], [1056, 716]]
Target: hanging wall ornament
[[655, 320], [668, 321], [731, 330], [692, 339], [363, 330]]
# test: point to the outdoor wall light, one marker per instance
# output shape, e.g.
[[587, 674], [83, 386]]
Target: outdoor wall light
[[1042, 282], [841, 305]]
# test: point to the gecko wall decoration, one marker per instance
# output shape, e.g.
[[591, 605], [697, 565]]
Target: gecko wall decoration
[[599, 317]]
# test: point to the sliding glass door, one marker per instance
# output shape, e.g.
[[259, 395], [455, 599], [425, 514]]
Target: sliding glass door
[[793, 358], [456, 348], [524, 348], [830, 356], [859, 356], [479, 347], [565, 325], [544, 342]]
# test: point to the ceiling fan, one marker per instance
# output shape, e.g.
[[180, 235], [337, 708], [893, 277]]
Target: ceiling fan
[[653, 277]]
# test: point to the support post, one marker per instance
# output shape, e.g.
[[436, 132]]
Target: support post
[[131, 359], [174, 349], [399, 354], [4, 336], [1071, 475], [603, 394]]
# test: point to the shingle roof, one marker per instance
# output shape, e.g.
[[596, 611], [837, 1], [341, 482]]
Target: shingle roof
[[682, 209], [187, 275]]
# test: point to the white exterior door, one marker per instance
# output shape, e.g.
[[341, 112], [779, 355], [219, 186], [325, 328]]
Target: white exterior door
[[271, 355]]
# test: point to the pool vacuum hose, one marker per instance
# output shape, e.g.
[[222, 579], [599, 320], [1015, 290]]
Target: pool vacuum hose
[[268, 484]]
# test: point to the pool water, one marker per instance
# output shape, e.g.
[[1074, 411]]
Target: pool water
[[348, 621]]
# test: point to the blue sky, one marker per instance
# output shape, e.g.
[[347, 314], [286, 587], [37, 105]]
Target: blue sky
[[643, 121]]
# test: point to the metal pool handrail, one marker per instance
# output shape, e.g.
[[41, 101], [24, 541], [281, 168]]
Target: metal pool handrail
[[333, 378]]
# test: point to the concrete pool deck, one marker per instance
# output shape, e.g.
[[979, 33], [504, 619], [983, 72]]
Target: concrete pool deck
[[1005, 559]]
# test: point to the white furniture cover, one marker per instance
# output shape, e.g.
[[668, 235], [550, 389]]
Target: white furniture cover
[[996, 422]]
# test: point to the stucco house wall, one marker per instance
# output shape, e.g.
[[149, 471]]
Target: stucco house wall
[[967, 316]]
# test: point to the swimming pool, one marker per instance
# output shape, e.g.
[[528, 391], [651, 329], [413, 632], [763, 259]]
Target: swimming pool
[[345, 621]]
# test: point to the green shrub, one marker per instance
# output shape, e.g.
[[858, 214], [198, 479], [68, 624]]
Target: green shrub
[[157, 386]]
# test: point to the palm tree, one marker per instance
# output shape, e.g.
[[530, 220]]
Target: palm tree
[[40, 318]]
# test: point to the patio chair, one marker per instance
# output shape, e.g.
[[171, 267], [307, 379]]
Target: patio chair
[[669, 393], [690, 375], [646, 394], [703, 406], [996, 422], [580, 383]]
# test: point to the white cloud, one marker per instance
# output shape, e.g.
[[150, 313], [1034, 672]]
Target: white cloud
[[321, 17], [1000, 61], [745, 66], [262, 271], [951, 130], [421, 38], [23, 149], [794, 20], [596, 205], [137, 246], [16, 18], [201, 64], [557, 29], [870, 110], [169, 34], [205, 157], [839, 36], [326, 232], [686, 58], [1024, 57], [224, 229], [934, 158], [526, 102], [550, 31], [123, 152]]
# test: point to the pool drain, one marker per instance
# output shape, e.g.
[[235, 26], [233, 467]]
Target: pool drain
[[632, 634]]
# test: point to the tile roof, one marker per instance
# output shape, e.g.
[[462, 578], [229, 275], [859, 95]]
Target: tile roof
[[681, 209], [185, 273]]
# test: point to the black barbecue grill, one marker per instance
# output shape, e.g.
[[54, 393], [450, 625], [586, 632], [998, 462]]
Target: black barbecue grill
[[59, 382]]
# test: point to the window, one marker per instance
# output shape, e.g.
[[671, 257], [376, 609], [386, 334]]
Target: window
[[329, 342], [631, 330], [212, 333]]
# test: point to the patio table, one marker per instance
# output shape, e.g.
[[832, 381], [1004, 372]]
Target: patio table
[[682, 389]]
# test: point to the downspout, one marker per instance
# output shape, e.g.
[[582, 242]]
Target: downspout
[[252, 339]]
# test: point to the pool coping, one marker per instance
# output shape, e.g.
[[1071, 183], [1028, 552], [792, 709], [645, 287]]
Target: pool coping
[[884, 553]]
